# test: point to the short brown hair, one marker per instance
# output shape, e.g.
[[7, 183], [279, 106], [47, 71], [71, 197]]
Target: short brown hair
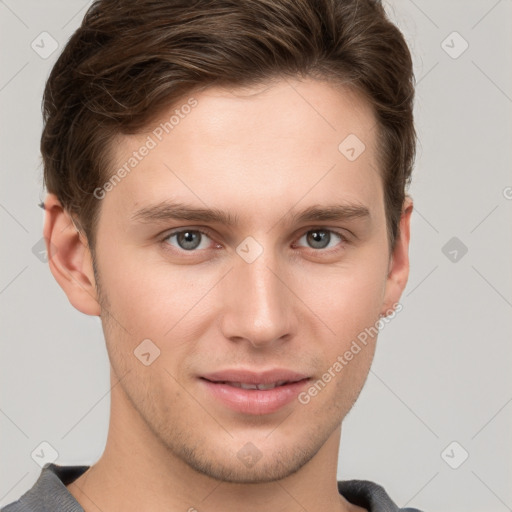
[[130, 59]]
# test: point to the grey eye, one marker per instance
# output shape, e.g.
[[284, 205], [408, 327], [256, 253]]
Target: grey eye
[[188, 239], [320, 238]]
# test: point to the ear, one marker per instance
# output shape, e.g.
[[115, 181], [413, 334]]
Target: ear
[[69, 257], [398, 270]]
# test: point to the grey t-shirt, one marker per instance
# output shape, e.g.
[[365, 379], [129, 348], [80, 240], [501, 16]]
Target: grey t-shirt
[[49, 493]]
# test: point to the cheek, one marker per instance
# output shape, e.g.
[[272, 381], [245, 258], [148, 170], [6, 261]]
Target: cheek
[[347, 298], [354, 372], [151, 298]]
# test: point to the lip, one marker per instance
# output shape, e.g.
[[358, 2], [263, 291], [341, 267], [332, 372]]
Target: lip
[[254, 401], [251, 377]]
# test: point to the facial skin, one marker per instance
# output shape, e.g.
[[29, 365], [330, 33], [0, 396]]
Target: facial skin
[[261, 155]]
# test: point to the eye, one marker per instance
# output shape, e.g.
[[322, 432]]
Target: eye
[[188, 239], [322, 238]]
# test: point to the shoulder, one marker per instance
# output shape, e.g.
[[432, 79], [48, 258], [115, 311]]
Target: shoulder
[[49, 493], [369, 495]]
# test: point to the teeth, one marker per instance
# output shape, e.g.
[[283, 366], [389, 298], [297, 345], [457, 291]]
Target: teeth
[[244, 385], [267, 386]]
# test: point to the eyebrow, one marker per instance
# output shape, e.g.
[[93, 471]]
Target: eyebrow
[[166, 211]]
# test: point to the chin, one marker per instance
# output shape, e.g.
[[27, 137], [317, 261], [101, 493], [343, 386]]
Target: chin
[[235, 471]]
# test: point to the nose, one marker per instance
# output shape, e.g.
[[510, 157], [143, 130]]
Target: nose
[[257, 303]]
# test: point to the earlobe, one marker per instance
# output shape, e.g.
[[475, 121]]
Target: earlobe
[[70, 258], [398, 270]]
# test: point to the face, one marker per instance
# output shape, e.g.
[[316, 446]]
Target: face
[[266, 284]]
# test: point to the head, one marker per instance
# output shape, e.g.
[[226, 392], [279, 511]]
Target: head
[[270, 114]]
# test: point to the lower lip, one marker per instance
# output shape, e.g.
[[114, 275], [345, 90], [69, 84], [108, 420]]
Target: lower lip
[[255, 401]]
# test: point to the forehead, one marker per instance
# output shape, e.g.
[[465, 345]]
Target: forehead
[[261, 146], [262, 118]]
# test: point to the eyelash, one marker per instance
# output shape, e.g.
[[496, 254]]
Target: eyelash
[[168, 247]]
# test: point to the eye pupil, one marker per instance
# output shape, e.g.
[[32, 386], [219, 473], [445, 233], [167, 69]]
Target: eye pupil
[[319, 239], [188, 240]]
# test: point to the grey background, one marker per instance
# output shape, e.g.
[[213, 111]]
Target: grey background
[[442, 367]]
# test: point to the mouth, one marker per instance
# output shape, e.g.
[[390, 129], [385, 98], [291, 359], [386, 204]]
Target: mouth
[[253, 393], [260, 386]]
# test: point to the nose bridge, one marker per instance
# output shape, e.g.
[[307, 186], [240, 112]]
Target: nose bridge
[[258, 307]]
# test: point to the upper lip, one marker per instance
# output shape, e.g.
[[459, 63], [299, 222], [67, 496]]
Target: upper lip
[[252, 377]]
